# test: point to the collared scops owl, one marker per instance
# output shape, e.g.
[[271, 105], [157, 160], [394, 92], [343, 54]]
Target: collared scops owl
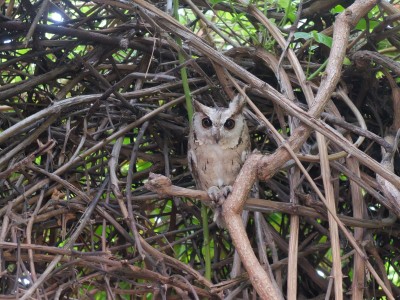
[[219, 143]]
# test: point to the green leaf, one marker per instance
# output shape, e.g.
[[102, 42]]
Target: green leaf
[[143, 165], [322, 39], [38, 160], [362, 25], [317, 36], [302, 35], [379, 75], [337, 9], [346, 61], [124, 169], [284, 3], [100, 295]]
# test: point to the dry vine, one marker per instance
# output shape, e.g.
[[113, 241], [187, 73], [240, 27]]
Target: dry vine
[[92, 104]]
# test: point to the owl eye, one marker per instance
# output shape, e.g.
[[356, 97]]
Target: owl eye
[[206, 122], [229, 124]]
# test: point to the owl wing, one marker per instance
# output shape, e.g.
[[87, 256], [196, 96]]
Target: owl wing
[[192, 164], [244, 147]]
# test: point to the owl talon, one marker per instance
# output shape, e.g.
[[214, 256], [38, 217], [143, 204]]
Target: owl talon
[[219, 195], [214, 193], [226, 190]]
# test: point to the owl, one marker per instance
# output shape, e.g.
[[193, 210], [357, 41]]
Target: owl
[[218, 145]]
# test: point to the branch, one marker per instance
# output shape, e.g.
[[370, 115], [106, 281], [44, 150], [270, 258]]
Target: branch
[[162, 186]]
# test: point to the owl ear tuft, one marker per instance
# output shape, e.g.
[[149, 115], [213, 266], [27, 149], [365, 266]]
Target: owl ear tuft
[[237, 104], [198, 107]]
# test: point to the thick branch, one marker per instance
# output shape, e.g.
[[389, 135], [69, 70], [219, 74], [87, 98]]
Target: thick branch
[[163, 187]]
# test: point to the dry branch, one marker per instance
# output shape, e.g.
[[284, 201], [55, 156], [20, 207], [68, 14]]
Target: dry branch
[[164, 188], [92, 90]]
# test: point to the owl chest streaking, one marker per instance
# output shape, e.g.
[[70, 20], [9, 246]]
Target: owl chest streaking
[[219, 143]]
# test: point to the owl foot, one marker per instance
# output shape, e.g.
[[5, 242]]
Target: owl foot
[[218, 197], [226, 190]]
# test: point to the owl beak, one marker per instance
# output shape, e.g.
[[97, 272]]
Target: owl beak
[[216, 134]]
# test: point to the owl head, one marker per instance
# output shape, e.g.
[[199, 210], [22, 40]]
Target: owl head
[[219, 126]]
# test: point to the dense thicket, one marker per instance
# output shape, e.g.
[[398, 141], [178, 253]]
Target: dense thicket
[[95, 95]]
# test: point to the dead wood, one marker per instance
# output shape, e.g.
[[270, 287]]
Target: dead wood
[[92, 107]]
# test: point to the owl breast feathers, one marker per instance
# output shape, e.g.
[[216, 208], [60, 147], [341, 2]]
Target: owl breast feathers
[[219, 143]]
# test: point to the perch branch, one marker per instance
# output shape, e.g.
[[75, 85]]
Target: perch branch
[[163, 187]]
